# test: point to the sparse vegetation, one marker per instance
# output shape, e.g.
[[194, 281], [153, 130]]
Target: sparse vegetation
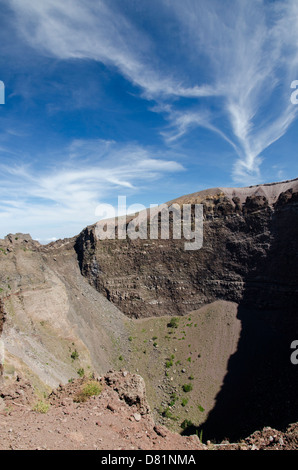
[[173, 399], [41, 407], [186, 424], [91, 388], [81, 372], [169, 364], [74, 355], [187, 388], [173, 323]]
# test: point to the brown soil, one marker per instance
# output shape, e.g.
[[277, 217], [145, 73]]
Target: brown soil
[[118, 418]]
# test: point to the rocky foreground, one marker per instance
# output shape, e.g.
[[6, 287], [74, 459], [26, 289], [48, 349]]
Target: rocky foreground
[[116, 417]]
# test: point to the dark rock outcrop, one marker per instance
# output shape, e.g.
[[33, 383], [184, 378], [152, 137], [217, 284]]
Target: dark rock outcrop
[[249, 251]]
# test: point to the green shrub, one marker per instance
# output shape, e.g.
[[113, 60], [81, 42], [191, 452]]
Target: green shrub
[[74, 355], [173, 398], [167, 413], [41, 407], [90, 389], [186, 424], [81, 372], [187, 387], [173, 323]]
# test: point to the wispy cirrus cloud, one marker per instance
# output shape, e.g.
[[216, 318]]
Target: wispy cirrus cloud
[[97, 31], [253, 55], [67, 194], [242, 55]]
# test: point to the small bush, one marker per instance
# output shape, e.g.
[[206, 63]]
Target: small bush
[[90, 389], [74, 355], [186, 424], [187, 388], [167, 413], [184, 401], [41, 407], [173, 398], [173, 323], [81, 372]]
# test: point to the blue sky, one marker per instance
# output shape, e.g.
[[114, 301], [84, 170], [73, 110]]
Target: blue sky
[[144, 99]]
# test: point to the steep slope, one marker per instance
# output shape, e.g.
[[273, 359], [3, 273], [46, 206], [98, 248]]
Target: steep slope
[[56, 323]]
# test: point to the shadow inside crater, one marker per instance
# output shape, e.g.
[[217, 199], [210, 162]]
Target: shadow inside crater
[[260, 387]]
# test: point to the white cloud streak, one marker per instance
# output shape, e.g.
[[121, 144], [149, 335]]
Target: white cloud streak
[[250, 48], [62, 199]]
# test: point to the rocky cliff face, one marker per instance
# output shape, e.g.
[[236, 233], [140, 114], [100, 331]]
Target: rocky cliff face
[[249, 251]]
